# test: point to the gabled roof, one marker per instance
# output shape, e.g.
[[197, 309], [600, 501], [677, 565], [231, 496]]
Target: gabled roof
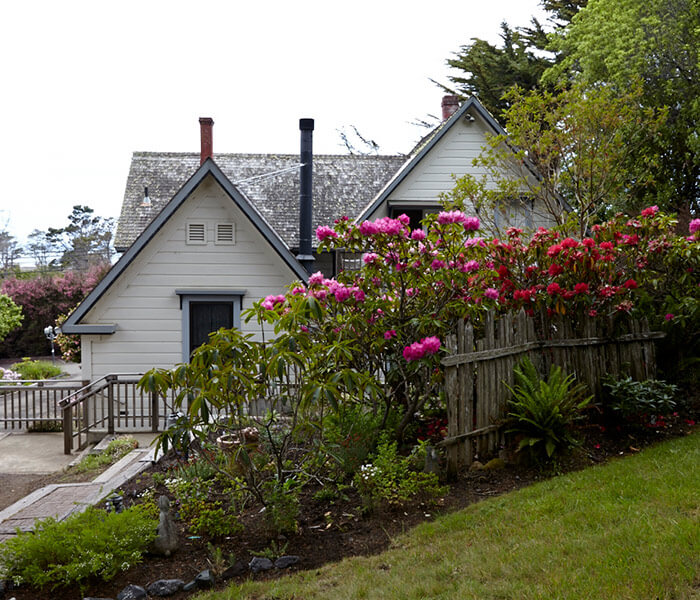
[[472, 105], [72, 324], [342, 185]]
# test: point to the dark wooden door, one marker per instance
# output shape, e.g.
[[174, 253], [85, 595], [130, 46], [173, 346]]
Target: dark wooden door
[[206, 317]]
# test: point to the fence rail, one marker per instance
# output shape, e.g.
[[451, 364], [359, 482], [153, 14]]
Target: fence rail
[[33, 404], [478, 370]]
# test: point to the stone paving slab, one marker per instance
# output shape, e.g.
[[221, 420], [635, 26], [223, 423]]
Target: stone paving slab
[[61, 500]]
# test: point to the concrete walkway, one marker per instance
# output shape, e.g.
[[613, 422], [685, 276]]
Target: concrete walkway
[[24, 451]]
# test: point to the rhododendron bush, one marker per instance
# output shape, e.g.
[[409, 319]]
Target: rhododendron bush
[[42, 300], [391, 316]]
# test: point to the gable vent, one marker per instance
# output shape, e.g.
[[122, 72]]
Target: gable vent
[[225, 233], [196, 233]]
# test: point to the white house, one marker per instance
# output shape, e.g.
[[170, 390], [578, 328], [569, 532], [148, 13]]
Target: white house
[[205, 236]]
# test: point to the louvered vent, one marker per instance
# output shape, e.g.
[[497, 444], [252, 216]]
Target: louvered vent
[[196, 233], [225, 233]]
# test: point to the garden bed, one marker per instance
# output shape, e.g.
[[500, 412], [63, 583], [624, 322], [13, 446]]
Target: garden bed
[[331, 529]]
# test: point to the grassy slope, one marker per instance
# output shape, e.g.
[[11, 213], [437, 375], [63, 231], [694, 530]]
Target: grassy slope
[[626, 530]]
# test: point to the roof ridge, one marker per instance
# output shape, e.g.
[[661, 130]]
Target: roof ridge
[[148, 153]]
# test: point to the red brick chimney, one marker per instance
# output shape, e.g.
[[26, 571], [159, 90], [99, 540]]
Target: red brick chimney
[[450, 104], [206, 125]]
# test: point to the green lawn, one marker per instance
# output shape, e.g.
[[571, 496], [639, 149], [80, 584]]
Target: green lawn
[[626, 530]]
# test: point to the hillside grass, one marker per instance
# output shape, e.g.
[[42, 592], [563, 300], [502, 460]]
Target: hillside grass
[[626, 530]]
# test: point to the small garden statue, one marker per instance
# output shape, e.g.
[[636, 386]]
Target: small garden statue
[[166, 541]]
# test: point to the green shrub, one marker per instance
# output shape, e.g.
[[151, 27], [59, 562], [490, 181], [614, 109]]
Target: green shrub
[[88, 544], [350, 435], [282, 505], [542, 412], [630, 399], [389, 478], [36, 369], [209, 519]]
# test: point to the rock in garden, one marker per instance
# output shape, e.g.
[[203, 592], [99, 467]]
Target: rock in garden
[[238, 568], [204, 580], [166, 541], [284, 562], [132, 592], [476, 466], [260, 564], [165, 587]]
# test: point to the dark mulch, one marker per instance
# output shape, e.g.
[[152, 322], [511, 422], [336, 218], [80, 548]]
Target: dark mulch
[[331, 531]]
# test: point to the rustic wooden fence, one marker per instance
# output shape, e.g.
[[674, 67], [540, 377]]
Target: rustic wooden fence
[[478, 370]]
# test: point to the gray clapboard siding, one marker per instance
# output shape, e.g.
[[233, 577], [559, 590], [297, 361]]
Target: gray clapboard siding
[[143, 303]]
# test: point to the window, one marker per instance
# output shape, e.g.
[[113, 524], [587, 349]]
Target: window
[[205, 311], [416, 215]]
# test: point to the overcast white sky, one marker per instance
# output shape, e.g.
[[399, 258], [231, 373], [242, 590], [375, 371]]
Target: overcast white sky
[[84, 84]]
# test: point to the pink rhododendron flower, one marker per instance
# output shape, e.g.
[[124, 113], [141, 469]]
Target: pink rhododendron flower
[[491, 293], [694, 226], [431, 344], [452, 216], [341, 293], [324, 231], [650, 212], [437, 264], [630, 284], [669, 316], [270, 301], [554, 250], [369, 258], [359, 295], [606, 246], [581, 288], [417, 350], [389, 334], [569, 243], [470, 266], [298, 290], [477, 241], [471, 224], [404, 219], [418, 234], [368, 228], [316, 278]]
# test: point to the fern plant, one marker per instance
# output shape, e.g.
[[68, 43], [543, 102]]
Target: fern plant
[[541, 412]]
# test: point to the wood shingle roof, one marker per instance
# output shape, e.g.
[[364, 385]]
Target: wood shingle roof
[[342, 185]]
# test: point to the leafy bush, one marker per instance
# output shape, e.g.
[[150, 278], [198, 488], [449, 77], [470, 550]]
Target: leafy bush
[[542, 412], [631, 399], [42, 300], [36, 369], [10, 315], [389, 478], [92, 543], [282, 505], [350, 435], [210, 519]]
